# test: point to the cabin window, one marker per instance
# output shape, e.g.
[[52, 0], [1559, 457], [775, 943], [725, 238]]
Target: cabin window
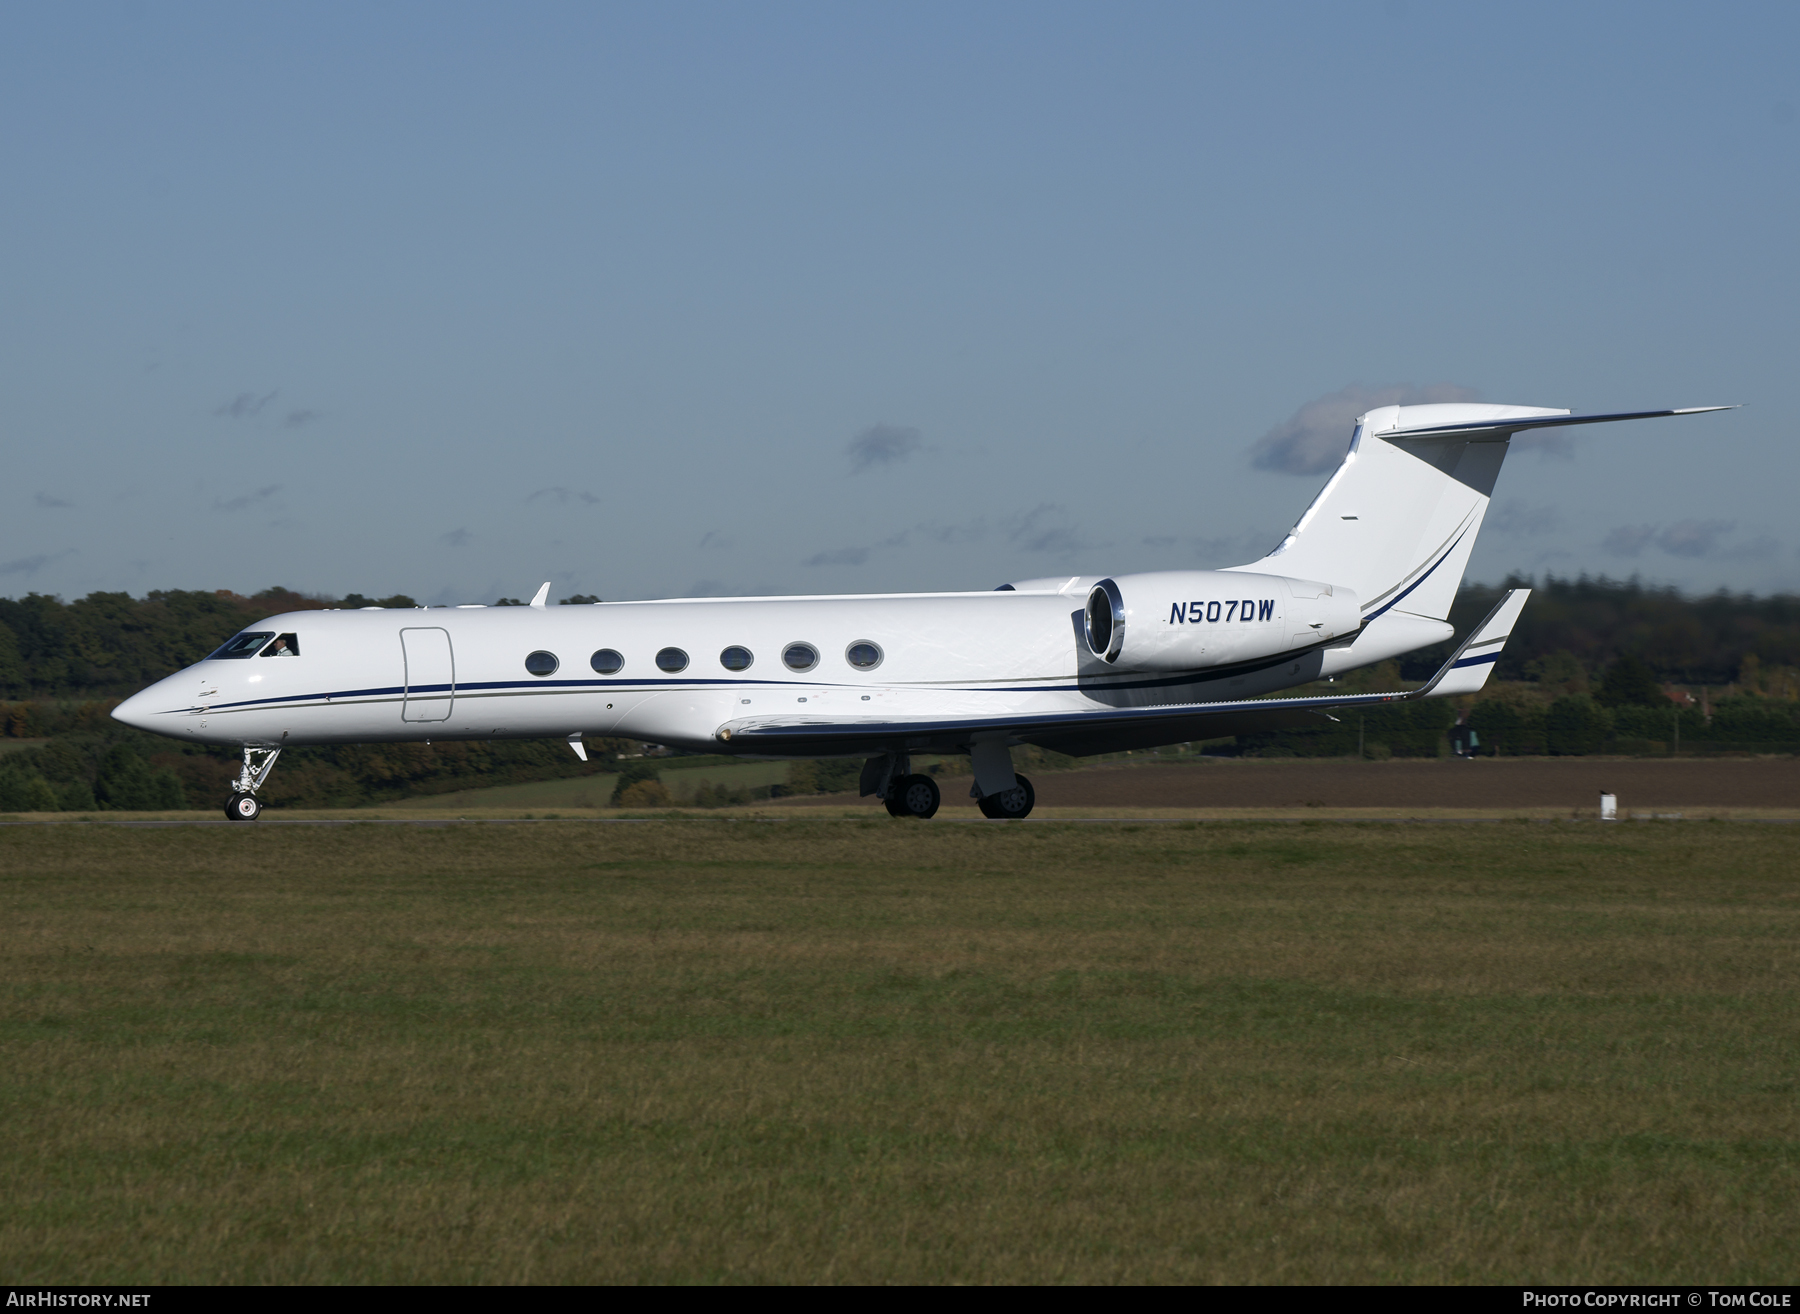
[[285, 645], [671, 660], [800, 656], [607, 662], [863, 655], [542, 663], [243, 645], [736, 659]]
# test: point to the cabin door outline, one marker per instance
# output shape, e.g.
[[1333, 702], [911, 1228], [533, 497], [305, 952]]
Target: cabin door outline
[[430, 674]]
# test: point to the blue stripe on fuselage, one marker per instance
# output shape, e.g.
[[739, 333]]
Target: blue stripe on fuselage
[[457, 690]]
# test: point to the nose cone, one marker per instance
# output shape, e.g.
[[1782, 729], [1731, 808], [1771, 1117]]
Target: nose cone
[[140, 710]]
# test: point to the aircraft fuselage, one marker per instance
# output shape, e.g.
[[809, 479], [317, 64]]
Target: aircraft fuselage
[[464, 673]]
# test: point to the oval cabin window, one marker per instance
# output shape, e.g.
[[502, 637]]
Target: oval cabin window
[[671, 660], [607, 662], [542, 663]]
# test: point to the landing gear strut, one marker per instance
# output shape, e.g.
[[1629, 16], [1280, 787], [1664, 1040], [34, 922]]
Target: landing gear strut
[[999, 791], [244, 805]]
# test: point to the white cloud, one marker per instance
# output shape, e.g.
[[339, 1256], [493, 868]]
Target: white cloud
[[243, 500], [850, 556], [1628, 540], [246, 405], [1691, 539], [1221, 550], [1517, 519], [1047, 528], [563, 496], [31, 565], [881, 444], [1316, 436]]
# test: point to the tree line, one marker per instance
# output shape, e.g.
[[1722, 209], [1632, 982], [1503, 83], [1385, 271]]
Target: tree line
[[112, 644]]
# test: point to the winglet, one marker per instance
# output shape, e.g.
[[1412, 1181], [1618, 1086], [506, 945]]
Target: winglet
[[543, 594], [1469, 666]]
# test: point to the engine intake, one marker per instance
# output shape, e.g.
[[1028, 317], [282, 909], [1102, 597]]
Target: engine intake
[[1188, 620], [1106, 621]]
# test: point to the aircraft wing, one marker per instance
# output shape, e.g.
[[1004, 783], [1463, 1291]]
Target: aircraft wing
[[1113, 729]]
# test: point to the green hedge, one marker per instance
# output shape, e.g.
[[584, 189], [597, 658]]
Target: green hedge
[[1401, 729], [1576, 725], [1572, 726]]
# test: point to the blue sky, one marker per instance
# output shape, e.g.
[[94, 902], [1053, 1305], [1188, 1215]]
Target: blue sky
[[681, 298]]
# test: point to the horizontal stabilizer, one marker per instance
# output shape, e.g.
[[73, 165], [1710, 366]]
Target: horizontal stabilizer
[[1495, 430]]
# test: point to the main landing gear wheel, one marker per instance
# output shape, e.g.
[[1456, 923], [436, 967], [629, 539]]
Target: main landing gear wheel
[[243, 807], [1010, 804], [913, 796]]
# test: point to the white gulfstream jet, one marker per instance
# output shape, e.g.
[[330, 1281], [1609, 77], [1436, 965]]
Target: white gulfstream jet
[[1082, 665]]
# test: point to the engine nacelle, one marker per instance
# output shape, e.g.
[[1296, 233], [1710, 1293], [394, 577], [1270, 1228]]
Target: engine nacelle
[[1185, 620]]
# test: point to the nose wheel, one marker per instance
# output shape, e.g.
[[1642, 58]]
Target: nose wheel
[[243, 807]]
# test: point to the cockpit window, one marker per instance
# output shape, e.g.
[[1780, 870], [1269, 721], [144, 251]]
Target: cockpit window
[[285, 645], [243, 645]]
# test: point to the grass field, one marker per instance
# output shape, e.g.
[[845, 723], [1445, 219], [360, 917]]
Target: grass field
[[1547, 786], [708, 1049], [596, 791]]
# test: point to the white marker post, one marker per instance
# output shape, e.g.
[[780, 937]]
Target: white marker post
[[1609, 807]]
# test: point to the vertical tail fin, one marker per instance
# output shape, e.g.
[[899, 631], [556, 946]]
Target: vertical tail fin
[[1398, 519]]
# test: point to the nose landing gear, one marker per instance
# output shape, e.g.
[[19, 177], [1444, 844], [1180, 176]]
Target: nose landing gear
[[244, 805]]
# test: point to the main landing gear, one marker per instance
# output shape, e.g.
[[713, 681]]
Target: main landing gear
[[1006, 797], [244, 805], [890, 778], [999, 791], [1009, 804], [913, 796]]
